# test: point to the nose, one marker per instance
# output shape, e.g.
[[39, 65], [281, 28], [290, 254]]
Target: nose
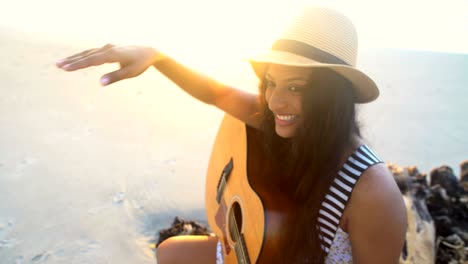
[[276, 100]]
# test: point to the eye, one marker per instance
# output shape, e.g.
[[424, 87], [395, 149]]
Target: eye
[[269, 84], [295, 88]]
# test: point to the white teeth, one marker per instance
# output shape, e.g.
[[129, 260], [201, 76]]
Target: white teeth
[[286, 117]]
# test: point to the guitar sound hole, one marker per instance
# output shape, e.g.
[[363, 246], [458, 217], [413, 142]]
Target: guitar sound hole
[[235, 221]]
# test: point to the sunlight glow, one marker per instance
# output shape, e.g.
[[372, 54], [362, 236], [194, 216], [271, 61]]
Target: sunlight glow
[[204, 30]]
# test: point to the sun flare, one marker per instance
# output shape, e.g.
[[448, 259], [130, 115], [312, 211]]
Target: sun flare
[[205, 33]]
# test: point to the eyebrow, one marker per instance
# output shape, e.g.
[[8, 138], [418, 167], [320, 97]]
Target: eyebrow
[[288, 79]]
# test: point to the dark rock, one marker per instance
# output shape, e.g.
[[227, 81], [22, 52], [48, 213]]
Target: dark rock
[[402, 179], [450, 249], [413, 185], [464, 175], [462, 234], [404, 252], [446, 202], [444, 177], [420, 236]]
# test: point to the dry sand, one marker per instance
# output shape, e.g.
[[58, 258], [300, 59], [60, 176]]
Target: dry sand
[[89, 174]]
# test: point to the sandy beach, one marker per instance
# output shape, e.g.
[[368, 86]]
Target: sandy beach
[[90, 174]]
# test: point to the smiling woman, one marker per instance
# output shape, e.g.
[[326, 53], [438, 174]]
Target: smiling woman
[[310, 150], [283, 89]]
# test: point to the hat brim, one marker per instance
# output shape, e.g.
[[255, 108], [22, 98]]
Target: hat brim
[[365, 89]]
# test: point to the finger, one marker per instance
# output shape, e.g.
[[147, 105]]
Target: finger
[[126, 72], [81, 55], [74, 57], [91, 60], [90, 51]]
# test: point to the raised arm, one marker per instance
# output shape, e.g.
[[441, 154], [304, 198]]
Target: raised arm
[[135, 60], [235, 102]]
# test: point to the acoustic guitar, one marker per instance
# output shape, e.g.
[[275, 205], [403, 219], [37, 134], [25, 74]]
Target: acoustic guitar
[[245, 209]]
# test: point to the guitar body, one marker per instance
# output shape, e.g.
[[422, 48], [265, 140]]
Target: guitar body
[[246, 212]]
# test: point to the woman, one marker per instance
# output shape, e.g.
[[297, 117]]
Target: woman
[[306, 110]]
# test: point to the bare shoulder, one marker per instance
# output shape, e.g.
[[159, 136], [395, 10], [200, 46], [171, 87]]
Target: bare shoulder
[[377, 217], [377, 189], [376, 182]]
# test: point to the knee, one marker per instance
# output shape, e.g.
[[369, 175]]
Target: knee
[[166, 252], [187, 249]]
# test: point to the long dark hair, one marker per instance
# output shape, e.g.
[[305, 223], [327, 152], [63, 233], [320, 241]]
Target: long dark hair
[[310, 160]]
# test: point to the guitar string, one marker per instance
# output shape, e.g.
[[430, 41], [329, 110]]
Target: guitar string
[[235, 233], [236, 230], [238, 236]]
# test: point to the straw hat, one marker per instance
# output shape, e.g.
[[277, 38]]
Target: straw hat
[[320, 37]]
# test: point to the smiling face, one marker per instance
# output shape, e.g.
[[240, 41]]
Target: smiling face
[[284, 86]]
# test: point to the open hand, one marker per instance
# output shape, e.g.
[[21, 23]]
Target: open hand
[[133, 61]]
